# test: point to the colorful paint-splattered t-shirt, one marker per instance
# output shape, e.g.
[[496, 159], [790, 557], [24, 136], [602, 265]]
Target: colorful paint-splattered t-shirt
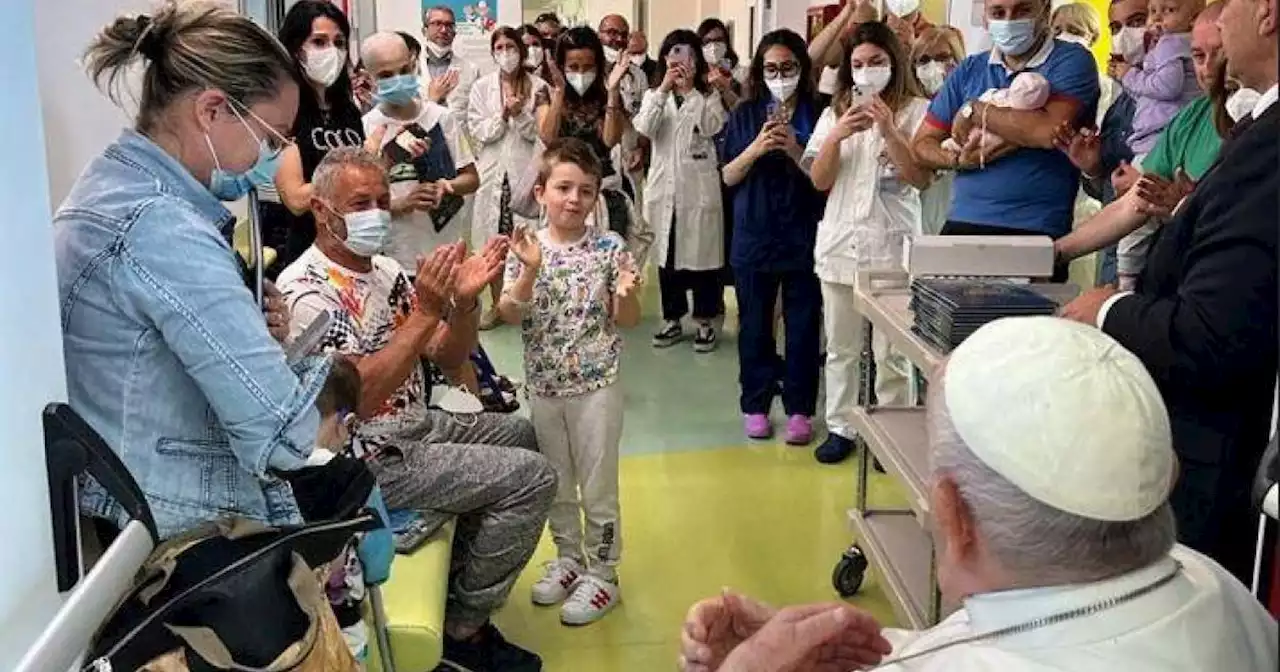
[[571, 344], [367, 309]]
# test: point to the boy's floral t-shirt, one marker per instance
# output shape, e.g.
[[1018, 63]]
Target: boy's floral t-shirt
[[571, 344]]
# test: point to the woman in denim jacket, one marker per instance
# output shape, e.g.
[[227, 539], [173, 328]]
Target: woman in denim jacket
[[168, 356]]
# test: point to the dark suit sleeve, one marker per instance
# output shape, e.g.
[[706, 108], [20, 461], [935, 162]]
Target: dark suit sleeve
[[1211, 330]]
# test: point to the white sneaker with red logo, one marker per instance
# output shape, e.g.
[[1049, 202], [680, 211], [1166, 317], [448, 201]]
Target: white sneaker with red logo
[[557, 580], [592, 598]]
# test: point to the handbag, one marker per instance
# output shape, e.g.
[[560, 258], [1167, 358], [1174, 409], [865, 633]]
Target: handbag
[[233, 595]]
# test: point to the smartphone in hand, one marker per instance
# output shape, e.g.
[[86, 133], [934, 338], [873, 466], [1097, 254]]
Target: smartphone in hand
[[400, 149], [682, 53]]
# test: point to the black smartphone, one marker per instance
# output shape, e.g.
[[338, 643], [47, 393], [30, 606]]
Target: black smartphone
[[400, 149]]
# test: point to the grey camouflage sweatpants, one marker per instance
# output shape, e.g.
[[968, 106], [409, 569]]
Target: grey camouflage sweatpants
[[486, 470]]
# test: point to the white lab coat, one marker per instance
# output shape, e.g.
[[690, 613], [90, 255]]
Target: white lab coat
[[684, 177], [870, 211], [460, 96], [504, 147], [1202, 620]]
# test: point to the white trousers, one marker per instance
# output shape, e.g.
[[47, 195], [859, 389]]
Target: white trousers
[[580, 436], [894, 383]]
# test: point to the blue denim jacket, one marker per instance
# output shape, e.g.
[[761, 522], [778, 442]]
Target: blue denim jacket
[[168, 356]]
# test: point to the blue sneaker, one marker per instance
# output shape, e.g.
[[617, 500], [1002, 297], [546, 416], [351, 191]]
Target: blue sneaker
[[834, 450]]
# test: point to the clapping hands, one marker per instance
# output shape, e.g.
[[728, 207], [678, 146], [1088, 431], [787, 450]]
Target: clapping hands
[[1159, 197], [1082, 147]]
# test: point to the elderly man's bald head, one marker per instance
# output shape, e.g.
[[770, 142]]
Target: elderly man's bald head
[[383, 49], [1206, 47], [614, 31]]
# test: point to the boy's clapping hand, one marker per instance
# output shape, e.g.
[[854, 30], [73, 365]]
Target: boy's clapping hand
[[524, 244]]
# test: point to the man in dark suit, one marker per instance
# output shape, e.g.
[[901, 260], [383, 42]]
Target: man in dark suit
[[1203, 318]]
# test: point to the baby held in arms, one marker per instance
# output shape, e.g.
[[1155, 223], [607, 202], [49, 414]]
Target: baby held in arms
[[1027, 91]]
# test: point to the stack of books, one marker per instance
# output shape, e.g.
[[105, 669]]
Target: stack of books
[[947, 311]]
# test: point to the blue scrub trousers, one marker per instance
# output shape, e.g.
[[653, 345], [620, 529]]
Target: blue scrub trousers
[[757, 350]]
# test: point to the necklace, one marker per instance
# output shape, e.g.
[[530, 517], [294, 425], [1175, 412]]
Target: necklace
[[1046, 621]]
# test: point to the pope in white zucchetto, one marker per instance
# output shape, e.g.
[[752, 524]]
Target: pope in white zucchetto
[[1052, 466]]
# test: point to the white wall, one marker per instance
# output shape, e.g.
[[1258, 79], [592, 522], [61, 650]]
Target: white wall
[[79, 120], [30, 347]]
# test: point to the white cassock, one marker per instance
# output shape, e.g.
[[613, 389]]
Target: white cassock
[[684, 177], [1204, 620], [504, 148]]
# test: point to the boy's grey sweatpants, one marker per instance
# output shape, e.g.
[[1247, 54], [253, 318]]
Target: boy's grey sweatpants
[[580, 436], [486, 470]]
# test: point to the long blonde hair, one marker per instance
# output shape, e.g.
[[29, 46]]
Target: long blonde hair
[[930, 37], [187, 46]]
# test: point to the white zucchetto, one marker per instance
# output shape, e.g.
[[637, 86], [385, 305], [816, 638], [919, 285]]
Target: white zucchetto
[[1066, 414]]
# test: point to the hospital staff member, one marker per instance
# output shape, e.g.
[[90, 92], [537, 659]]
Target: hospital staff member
[[448, 78], [682, 193], [167, 354], [776, 211], [500, 118], [861, 153]]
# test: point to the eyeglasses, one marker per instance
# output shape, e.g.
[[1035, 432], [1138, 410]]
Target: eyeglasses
[[926, 59], [614, 32], [783, 69], [275, 143], [442, 25]]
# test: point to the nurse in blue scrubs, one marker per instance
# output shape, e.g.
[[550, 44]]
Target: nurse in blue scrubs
[[776, 211]]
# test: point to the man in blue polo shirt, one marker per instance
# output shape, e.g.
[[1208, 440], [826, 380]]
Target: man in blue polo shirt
[[1024, 185]]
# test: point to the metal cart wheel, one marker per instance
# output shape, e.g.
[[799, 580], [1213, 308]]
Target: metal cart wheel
[[849, 572]]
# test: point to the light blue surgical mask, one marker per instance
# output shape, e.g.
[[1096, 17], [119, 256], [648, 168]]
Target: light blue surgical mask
[[231, 186], [367, 231], [397, 90], [1012, 38]]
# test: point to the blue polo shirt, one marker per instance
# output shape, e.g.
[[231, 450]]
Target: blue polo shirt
[[1031, 190]]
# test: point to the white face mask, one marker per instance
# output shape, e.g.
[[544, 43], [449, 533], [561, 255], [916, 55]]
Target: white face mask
[[1129, 44], [902, 7], [932, 75], [872, 78], [1241, 103], [714, 52], [508, 61], [637, 59], [1076, 39], [534, 59], [581, 81], [611, 54], [783, 88], [323, 66], [436, 50]]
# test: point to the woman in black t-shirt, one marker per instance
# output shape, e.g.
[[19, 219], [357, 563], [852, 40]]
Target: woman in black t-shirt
[[317, 34]]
